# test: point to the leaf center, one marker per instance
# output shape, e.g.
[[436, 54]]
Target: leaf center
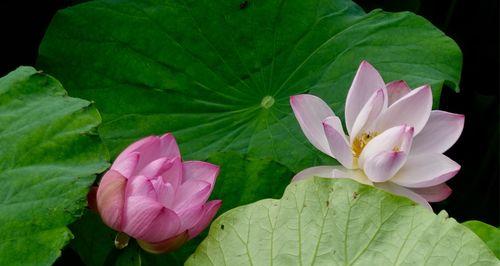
[[267, 102]]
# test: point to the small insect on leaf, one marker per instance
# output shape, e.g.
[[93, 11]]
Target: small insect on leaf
[[244, 4], [355, 195]]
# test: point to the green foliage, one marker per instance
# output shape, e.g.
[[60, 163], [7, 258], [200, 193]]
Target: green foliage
[[219, 74], [93, 240], [49, 154], [489, 234], [206, 70], [338, 222]]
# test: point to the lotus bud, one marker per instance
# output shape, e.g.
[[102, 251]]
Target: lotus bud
[[150, 194]]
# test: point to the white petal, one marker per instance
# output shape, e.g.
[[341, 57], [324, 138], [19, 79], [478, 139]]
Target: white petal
[[356, 175], [434, 193], [402, 191], [369, 113], [320, 171], [336, 171], [426, 170], [365, 83], [340, 148], [412, 110], [397, 138], [440, 133], [310, 111], [396, 90], [384, 165]]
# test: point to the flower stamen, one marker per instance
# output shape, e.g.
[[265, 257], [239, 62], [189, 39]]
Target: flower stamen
[[360, 142]]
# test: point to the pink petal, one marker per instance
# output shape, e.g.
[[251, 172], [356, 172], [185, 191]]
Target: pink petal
[[166, 225], [150, 151], [320, 171], [135, 147], [340, 148], [170, 169], [440, 133], [148, 220], [210, 209], [110, 199], [310, 111], [197, 170], [159, 147], [154, 167], [165, 246], [126, 165], [191, 193], [365, 83], [402, 191], [173, 174], [396, 90], [435, 193], [397, 138], [384, 165], [191, 216], [426, 170], [141, 186], [413, 110], [369, 113], [169, 147], [165, 192], [153, 148]]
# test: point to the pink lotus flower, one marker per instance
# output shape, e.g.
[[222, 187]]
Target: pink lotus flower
[[395, 141], [151, 195]]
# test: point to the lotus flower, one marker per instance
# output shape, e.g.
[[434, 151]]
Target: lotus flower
[[151, 195], [396, 142]]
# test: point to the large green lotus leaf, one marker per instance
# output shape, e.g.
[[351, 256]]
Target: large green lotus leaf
[[338, 222], [49, 154], [489, 234], [241, 181], [219, 74], [93, 241]]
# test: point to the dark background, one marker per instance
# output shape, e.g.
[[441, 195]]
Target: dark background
[[474, 25]]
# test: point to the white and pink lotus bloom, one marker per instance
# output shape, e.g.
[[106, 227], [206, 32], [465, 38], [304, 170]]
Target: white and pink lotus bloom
[[151, 195], [395, 141]]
